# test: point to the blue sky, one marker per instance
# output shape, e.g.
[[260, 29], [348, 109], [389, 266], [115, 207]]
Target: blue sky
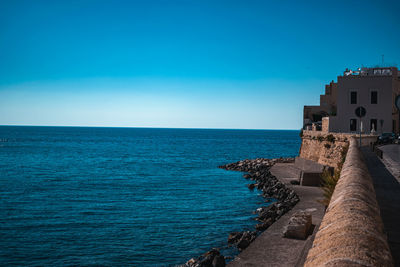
[[206, 64]]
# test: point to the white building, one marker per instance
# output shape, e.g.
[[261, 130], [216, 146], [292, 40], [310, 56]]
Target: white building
[[375, 89]]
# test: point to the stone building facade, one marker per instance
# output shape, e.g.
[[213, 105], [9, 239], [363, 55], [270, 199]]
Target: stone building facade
[[375, 89], [327, 106]]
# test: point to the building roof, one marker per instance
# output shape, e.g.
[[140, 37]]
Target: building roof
[[377, 71]]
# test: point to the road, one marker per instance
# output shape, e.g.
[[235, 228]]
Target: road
[[387, 189], [391, 159]]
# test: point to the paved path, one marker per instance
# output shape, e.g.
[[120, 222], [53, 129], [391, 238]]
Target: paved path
[[391, 158], [286, 172], [387, 190], [270, 248]]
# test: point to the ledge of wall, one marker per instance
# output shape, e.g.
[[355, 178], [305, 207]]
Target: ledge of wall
[[351, 232]]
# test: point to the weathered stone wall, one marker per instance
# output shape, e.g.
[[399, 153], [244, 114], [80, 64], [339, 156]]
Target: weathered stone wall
[[351, 232], [318, 147]]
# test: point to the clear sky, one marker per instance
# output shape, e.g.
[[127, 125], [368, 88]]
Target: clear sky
[[204, 64]]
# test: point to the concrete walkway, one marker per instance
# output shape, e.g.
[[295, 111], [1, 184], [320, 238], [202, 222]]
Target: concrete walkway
[[391, 159], [270, 248], [387, 189], [286, 172]]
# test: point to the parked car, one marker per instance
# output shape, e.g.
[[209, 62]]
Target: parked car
[[386, 138], [398, 139]]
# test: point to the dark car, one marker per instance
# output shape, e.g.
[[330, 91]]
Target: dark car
[[386, 138]]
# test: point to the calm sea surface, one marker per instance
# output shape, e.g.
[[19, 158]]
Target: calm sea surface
[[125, 196]]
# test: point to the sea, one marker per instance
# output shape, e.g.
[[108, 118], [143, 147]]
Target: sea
[[97, 196]]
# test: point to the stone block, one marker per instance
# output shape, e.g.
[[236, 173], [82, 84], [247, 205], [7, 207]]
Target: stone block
[[299, 225], [310, 178]]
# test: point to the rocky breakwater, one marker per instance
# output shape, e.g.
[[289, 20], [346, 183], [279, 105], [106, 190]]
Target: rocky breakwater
[[280, 197], [254, 165], [280, 200], [212, 258]]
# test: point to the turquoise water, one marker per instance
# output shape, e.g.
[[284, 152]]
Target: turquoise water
[[125, 196]]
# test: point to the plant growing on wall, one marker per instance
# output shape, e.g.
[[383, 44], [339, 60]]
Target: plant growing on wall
[[330, 180], [327, 146], [343, 154], [330, 138]]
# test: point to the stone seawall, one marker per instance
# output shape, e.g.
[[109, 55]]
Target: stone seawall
[[327, 148], [324, 148], [351, 232]]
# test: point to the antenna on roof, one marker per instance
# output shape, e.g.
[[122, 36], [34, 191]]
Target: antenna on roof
[[383, 60]]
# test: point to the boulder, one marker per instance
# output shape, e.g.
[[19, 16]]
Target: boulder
[[208, 258], [298, 226], [246, 239], [264, 225], [218, 261], [234, 237], [191, 262], [251, 186]]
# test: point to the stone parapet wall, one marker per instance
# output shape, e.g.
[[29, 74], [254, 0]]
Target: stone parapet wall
[[351, 232], [340, 136], [316, 146]]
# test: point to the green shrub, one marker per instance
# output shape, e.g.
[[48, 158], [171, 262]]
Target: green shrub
[[320, 138], [329, 182], [327, 146], [343, 154], [330, 138]]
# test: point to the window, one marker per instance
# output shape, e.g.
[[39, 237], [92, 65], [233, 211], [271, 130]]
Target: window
[[317, 117], [353, 125], [374, 97], [373, 125], [353, 97]]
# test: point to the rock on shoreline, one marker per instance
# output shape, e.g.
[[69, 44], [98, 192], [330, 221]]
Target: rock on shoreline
[[254, 165], [211, 258], [272, 188]]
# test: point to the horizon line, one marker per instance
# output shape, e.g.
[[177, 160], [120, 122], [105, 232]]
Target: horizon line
[[142, 127]]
